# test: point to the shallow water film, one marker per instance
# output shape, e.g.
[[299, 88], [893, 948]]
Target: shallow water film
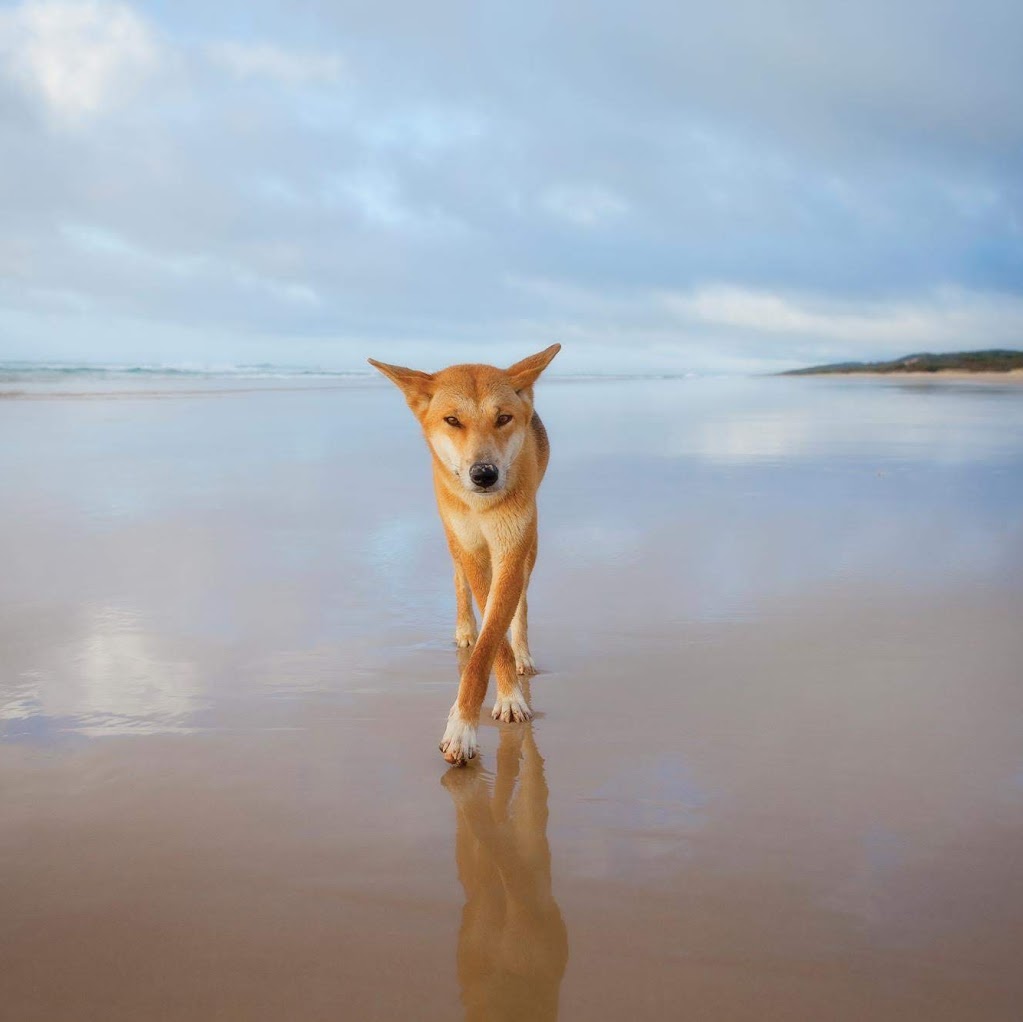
[[776, 769]]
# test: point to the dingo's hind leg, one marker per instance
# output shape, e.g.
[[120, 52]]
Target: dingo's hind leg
[[465, 619]]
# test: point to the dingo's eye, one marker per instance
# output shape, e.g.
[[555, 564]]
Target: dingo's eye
[[503, 420], [451, 420]]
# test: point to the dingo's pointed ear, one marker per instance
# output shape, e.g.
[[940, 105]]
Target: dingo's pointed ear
[[524, 374], [415, 385]]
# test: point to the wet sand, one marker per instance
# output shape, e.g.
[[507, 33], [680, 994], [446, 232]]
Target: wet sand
[[776, 770]]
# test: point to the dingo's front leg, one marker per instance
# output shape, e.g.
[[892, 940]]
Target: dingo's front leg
[[519, 639], [459, 743], [465, 619], [511, 704], [491, 651], [514, 659]]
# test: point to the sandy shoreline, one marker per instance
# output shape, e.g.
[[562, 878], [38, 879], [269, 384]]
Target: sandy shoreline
[[774, 770], [1012, 376]]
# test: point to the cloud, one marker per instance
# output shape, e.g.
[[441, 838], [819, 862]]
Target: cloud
[[688, 186], [583, 205], [263, 60], [946, 317], [78, 58], [730, 326]]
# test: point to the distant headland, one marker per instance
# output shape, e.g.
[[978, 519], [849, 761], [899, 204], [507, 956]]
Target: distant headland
[[996, 360]]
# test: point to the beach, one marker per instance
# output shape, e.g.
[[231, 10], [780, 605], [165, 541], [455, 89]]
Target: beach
[[938, 376], [776, 768]]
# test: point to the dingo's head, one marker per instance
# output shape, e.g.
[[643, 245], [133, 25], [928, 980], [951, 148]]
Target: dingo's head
[[474, 417]]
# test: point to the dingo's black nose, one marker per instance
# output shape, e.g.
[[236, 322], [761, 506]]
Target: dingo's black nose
[[483, 474]]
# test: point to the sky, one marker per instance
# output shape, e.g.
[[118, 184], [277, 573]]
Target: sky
[[735, 186]]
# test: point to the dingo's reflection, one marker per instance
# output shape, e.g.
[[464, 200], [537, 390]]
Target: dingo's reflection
[[513, 946]]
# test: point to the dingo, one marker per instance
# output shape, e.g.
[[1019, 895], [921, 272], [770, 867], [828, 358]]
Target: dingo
[[490, 452]]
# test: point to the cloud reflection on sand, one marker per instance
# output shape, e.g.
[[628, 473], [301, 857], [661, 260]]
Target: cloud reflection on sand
[[276, 539], [735, 421], [110, 680], [728, 497]]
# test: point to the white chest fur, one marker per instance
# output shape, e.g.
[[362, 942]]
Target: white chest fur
[[467, 529]]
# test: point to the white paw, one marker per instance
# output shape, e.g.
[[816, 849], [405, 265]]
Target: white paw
[[524, 662], [459, 743], [465, 635], [512, 707]]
